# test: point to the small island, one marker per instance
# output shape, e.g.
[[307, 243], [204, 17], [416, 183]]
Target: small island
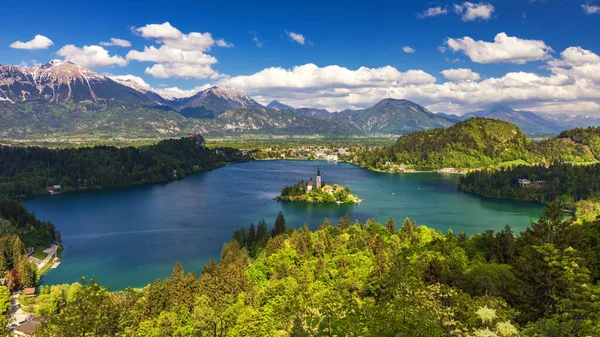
[[318, 192]]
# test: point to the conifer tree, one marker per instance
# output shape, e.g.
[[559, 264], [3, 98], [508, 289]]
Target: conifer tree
[[344, 222], [261, 230], [391, 225], [251, 236], [325, 224], [279, 227]]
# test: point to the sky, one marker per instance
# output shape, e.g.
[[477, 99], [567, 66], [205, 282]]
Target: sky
[[450, 56]]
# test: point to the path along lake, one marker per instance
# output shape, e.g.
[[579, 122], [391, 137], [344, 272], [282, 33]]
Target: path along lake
[[132, 236]]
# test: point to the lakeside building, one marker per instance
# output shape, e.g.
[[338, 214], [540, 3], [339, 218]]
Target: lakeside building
[[524, 182], [29, 292], [309, 186], [54, 189], [27, 329]]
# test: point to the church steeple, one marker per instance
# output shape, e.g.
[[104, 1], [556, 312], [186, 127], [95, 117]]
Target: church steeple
[[319, 178]]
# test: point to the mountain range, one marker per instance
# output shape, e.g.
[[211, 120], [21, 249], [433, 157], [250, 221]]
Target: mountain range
[[531, 123], [62, 98]]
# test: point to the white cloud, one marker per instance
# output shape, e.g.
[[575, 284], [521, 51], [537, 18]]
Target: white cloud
[[578, 63], [175, 92], [182, 70], [138, 81], [431, 12], [504, 49], [461, 74], [38, 42], [90, 56], [408, 49], [572, 86], [470, 11], [567, 107], [310, 76], [257, 41], [224, 44], [116, 42], [296, 37], [179, 55], [159, 31], [590, 9]]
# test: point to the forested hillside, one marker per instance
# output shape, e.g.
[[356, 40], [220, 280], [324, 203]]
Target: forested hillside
[[28, 171], [20, 229], [473, 143], [561, 181], [587, 136], [358, 279]]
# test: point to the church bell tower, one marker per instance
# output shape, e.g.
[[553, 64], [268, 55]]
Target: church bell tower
[[319, 178]]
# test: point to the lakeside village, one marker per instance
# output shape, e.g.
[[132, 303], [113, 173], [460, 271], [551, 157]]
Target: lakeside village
[[318, 192]]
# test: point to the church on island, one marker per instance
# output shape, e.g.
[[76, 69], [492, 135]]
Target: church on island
[[317, 191]]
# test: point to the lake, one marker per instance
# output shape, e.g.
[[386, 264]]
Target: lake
[[132, 236]]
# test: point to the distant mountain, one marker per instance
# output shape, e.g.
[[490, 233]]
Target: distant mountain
[[313, 112], [451, 117], [571, 121], [146, 90], [62, 97], [279, 106], [529, 122], [393, 116], [271, 121], [212, 102]]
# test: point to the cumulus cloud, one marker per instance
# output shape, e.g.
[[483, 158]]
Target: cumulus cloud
[[504, 49], [140, 83], [116, 42], [590, 9], [431, 12], [578, 63], [310, 76], [461, 74], [90, 56], [179, 55], [175, 92], [471, 11], [38, 42], [408, 49], [296, 37], [572, 86], [567, 107]]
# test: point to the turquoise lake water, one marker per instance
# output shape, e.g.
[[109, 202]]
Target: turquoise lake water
[[132, 236]]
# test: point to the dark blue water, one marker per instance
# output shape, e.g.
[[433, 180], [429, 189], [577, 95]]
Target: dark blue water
[[132, 236]]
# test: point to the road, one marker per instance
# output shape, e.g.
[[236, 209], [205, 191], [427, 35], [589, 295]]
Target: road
[[40, 264]]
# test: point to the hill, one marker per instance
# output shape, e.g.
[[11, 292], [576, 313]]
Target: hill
[[473, 143], [589, 137]]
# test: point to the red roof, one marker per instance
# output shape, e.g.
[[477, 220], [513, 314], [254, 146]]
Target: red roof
[[310, 183]]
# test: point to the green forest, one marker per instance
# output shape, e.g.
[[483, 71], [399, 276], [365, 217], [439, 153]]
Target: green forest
[[27, 171], [20, 229], [561, 182], [473, 143], [357, 279]]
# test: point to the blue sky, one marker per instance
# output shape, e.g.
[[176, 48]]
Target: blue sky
[[348, 34]]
